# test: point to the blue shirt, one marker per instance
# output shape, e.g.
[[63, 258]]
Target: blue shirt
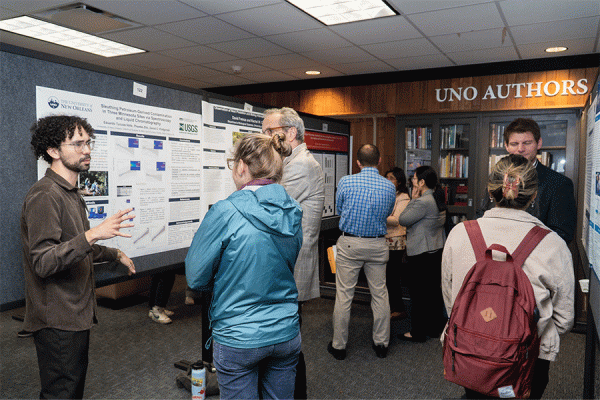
[[364, 201]]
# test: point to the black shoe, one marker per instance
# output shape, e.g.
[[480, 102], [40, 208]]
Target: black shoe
[[380, 350], [336, 353], [418, 339], [24, 334]]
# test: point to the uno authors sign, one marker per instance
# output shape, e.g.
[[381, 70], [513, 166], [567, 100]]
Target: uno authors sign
[[515, 90]]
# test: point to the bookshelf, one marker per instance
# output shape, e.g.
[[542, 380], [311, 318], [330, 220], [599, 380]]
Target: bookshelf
[[445, 144]]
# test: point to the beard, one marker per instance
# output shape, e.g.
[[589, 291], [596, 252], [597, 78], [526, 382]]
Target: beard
[[78, 166]]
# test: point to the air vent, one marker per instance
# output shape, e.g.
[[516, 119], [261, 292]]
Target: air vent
[[84, 18]]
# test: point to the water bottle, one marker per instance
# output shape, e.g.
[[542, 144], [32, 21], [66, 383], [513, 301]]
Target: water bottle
[[198, 381]]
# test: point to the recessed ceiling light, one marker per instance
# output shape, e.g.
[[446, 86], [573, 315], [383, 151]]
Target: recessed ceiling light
[[556, 49], [313, 72], [333, 12], [62, 36]]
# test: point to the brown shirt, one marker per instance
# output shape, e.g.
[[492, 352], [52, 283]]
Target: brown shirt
[[57, 258]]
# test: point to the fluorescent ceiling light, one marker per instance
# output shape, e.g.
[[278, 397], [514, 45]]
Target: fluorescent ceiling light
[[62, 36], [557, 49], [333, 12], [313, 72]]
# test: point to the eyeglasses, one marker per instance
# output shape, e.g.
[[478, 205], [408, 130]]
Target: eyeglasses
[[230, 163], [79, 146], [269, 131]]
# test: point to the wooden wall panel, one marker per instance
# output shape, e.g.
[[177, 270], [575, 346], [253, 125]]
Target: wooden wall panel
[[406, 98]]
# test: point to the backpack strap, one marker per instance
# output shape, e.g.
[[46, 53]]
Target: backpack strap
[[477, 240], [530, 242]]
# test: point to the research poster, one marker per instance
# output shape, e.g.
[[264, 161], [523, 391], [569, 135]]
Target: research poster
[[222, 128], [593, 146], [331, 151], [144, 157]]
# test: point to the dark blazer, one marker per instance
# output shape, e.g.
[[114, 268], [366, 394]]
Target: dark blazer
[[555, 202], [554, 205]]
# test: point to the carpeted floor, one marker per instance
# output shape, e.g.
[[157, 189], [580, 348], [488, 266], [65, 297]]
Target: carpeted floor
[[132, 357]]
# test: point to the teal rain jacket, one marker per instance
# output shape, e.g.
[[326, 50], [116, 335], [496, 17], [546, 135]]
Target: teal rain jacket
[[245, 251]]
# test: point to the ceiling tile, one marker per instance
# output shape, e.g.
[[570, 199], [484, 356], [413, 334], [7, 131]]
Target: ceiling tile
[[219, 7], [205, 30], [33, 6], [173, 78], [274, 19], [400, 48], [557, 30], [366, 67], [192, 71], [148, 39], [268, 76], [227, 80], [153, 59], [153, 12], [421, 62], [340, 56], [247, 48], [247, 66], [283, 60], [519, 12], [466, 41], [462, 19], [314, 39], [197, 54], [574, 47], [376, 31], [413, 7], [484, 56]]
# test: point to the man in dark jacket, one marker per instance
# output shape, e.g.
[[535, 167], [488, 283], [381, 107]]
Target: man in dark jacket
[[554, 204], [59, 249]]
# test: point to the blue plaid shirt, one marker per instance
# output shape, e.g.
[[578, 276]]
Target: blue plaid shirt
[[364, 201]]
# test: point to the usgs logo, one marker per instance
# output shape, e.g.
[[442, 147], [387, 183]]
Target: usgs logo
[[191, 128], [514, 90]]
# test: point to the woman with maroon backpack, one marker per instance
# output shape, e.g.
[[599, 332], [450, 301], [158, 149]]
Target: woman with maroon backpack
[[513, 186]]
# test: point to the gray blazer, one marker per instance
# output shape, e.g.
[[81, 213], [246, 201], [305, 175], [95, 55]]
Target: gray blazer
[[304, 181], [424, 225]]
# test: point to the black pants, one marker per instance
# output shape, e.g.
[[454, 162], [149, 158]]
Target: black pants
[[538, 383], [393, 280], [63, 361], [160, 288], [300, 388], [424, 276]]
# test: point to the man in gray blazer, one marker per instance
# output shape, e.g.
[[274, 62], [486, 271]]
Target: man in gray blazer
[[303, 180]]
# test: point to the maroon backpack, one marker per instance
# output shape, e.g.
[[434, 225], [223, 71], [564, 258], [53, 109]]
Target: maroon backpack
[[491, 343]]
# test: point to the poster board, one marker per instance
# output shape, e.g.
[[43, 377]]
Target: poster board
[[170, 161]]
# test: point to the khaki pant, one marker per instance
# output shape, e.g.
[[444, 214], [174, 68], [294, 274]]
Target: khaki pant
[[354, 254]]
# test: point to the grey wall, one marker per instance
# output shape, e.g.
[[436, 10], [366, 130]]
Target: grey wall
[[19, 76]]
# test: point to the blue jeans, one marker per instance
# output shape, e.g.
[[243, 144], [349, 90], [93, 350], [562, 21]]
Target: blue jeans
[[269, 370]]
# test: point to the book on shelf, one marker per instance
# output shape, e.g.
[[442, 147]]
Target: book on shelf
[[452, 137], [454, 166], [545, 157], [497, 135], [418, 138]]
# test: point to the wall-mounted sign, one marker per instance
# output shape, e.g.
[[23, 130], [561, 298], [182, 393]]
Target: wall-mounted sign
[[565, 87]]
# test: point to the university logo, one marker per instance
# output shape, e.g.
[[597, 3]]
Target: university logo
[[53, 102]]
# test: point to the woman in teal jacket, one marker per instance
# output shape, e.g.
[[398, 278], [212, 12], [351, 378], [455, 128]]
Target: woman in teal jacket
[[244, 252]]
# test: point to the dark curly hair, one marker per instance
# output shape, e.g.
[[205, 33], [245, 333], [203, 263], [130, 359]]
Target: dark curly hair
[[50, 132]]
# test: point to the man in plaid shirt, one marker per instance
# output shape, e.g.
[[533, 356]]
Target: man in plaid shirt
[[364, 202]]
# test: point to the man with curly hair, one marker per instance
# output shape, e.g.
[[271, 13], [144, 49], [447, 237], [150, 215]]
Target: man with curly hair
[[59, 249]]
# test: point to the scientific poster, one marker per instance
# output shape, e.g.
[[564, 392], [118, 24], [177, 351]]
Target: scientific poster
[[593, 145], [145, 157]]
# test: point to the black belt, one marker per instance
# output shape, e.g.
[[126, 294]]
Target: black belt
[[362, 237]]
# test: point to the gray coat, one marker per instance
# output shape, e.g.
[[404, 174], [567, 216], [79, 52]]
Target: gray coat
[[424, 225], [304, 181]]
